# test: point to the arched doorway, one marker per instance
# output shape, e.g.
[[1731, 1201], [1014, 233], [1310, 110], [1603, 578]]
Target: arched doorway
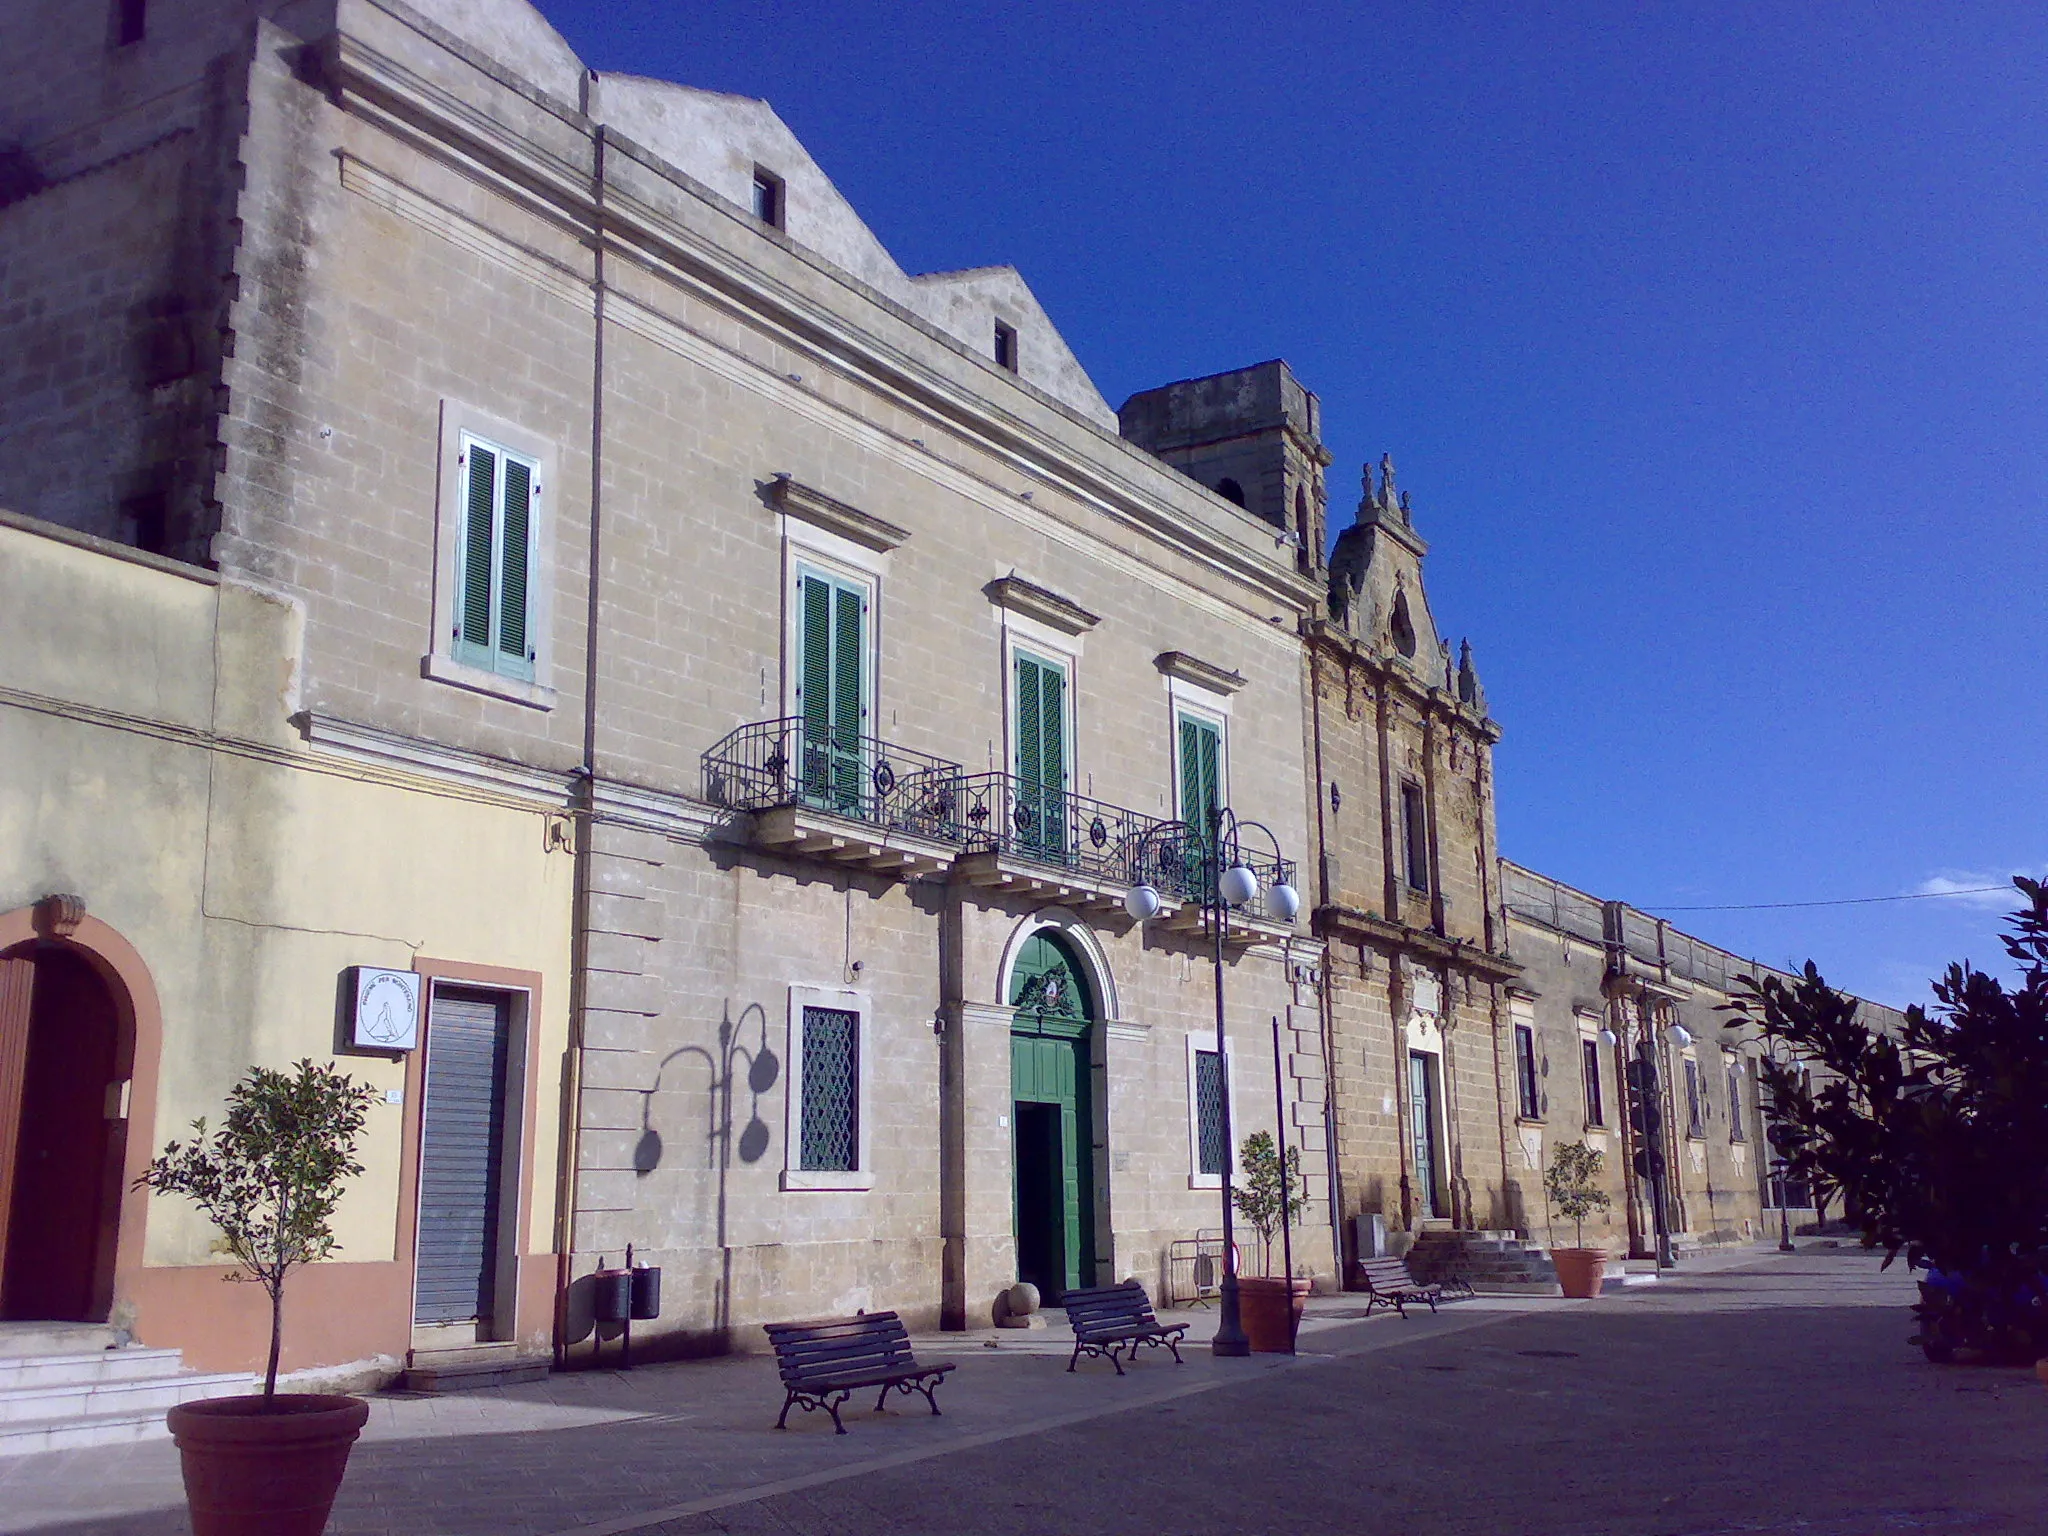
[[67, 1044], [1052, 1115]]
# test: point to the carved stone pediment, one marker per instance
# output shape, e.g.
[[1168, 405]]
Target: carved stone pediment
[[1042, 604], [1203, 674], [834, 516]]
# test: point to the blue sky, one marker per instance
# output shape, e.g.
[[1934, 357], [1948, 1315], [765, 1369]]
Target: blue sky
[[1708, 339]]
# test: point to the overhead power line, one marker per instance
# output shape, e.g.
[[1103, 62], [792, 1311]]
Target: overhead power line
[[1843, 901]]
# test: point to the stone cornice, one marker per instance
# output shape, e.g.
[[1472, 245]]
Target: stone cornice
[[821, 511], [1042, 604], [1109, 479], [1192, 669], [1336, 921]]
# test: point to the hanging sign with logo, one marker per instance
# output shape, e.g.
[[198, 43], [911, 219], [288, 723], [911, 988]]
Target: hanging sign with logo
[[387, 1012]]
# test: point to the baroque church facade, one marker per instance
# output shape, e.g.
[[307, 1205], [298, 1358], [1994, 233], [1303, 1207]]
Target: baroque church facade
[[507, 538]]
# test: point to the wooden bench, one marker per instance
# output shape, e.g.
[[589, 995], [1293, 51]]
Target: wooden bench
[[1106, 1318], [1388, 1283], [823, 1363]]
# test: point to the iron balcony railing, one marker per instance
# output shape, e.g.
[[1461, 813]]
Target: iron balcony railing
[[772, 764], [1037, 824], [1092, 839]]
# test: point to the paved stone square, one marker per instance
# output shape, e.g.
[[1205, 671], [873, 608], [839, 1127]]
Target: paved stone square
[[1502, 1415]]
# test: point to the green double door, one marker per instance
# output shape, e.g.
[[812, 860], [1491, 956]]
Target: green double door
[[1052, 1119]]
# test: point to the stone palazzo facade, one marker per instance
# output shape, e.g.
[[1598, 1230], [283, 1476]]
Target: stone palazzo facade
[[508, 539]]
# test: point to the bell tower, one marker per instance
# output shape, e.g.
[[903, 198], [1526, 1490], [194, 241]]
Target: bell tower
[[1254, 437]]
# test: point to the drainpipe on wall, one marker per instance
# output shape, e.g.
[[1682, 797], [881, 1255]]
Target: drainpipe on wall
[[584, 806], [1325, 961]]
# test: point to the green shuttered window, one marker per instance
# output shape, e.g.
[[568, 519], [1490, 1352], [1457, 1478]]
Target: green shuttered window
[[1041, 704], [831, 691], [493, 615], [829, 1132], [1201, 772]]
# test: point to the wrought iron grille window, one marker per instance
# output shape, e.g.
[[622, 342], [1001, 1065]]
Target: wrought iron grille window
[[829, 1138], [1695, 1100], [1734, 1076], [1209, 1111]]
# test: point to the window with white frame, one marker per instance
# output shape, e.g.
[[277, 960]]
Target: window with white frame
[[492, 589], [1208, 1144], [1589, 1075], [1731, 1065], [827, 1136], [494, 559]]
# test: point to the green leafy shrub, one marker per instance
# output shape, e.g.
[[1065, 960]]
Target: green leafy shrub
[[1268, 1191], [1571, 1183], [1936, 1137], [271, 1176]]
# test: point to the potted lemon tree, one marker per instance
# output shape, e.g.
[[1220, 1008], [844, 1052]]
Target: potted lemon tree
[[1269, 1193], [269, 1178], [1572, 1184]]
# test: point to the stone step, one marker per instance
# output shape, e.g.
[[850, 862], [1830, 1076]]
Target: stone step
[[101, 1365], [31, 1436], [117, 1398], [483, 1371], [19, 1339]]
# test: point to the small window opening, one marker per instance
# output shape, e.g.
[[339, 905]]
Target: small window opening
[[1528, 1091], [149, 518], [1414, 837], [131, 21], [1403, 626], [768, 198], [1006, 346], [1589, 1070], [1230, 490]]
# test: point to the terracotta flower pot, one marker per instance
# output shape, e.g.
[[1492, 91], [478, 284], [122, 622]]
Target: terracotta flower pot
[[256, 1472], [1270, 1309], [1579, 1270]]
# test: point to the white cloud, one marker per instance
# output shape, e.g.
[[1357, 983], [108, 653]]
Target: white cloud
[[1967, 887]]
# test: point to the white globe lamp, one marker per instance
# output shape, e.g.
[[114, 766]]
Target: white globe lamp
[[1283, 902], [1142, 902], [1237, 885]]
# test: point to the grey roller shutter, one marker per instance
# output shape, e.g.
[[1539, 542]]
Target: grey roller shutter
[[462, 1138]]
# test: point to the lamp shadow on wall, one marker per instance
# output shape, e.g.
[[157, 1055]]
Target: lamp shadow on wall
[[742, 1061]]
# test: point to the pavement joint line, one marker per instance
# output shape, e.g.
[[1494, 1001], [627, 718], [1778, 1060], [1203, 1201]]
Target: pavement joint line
[[625, 1525]]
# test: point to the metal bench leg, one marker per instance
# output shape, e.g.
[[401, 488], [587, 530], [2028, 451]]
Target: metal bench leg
[[788, 1402], [881, 1403], [832, 1407], [930, 1390], [1075, 1358]]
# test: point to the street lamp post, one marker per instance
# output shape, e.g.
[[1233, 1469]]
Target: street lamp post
[[1213, 870]]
